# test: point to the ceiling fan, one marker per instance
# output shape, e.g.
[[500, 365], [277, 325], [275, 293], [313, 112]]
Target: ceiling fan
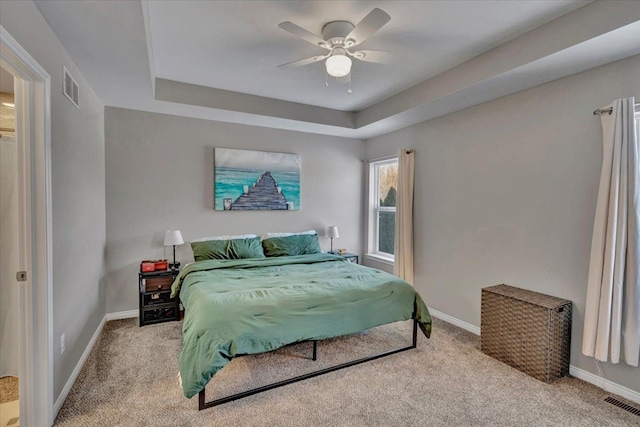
[[339, 38]]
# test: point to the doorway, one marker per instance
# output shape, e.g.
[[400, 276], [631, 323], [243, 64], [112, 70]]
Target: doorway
[[33, 247], [9, 240]]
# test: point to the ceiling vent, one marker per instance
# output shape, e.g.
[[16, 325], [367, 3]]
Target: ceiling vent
[[70, 88]]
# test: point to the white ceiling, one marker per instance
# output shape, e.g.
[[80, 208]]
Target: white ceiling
[[218, 59], [237, 46]]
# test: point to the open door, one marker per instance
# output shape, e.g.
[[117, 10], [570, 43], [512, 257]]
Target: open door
[[33, 248], [9, 265]]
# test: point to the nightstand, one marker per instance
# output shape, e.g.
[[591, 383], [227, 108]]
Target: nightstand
[[348, 255], [156, 304]]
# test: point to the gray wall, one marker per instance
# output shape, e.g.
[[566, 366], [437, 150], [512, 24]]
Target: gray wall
[[78, 190], [506, 193], [160, 177]]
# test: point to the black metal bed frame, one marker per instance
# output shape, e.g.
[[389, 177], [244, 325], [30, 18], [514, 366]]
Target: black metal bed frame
[[203, 404]]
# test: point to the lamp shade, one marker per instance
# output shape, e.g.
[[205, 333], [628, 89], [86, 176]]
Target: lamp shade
[[173, 237], [338, 64], [333, 232]]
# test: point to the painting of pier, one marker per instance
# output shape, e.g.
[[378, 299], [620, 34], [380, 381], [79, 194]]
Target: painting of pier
[[256, 180]]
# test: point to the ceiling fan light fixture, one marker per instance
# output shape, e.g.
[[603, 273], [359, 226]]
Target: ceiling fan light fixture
[[338, 37], [338, 65]]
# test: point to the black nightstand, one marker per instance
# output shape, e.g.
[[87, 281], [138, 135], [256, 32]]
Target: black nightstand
[[156, 304], [348, 255]]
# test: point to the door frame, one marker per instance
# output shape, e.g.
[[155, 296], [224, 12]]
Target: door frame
[[33, 133]]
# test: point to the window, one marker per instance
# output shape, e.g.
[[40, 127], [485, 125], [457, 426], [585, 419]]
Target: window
[[384, 177]]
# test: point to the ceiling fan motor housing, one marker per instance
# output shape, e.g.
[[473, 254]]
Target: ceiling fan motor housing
[[335, 32]]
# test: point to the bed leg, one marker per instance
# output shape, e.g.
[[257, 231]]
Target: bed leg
[[315, 351], [201, 400], [414, 344]]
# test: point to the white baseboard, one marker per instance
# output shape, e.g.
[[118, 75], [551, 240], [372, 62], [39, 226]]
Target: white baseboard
[[454, 321], [604, 384], [121, 315], [581, 374], [77, 369]]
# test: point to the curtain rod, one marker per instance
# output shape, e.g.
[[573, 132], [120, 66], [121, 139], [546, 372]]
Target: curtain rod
[[608, 110]]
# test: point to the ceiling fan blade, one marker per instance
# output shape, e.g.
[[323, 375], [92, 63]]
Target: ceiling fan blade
[[377, 56], [298, 31], [369, 25], [304, 61]]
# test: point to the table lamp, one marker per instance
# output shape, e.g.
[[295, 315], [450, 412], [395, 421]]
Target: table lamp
[[333, 234], [173, 238]]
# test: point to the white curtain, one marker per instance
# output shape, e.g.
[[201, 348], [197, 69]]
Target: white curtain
[[9, 295], [612, 314], [403, 264]]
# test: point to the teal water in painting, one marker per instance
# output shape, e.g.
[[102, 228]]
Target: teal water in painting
[[229, 183]]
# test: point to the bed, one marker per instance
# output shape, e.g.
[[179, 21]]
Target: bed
[[247, 305]]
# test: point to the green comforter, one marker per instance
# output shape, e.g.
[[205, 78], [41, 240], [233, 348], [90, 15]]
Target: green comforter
[[248, 306]]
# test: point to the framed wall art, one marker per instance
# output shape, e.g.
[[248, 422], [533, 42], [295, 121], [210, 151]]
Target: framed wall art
[[256, 180]]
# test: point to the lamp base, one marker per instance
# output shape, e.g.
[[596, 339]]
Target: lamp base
[[174, 266]]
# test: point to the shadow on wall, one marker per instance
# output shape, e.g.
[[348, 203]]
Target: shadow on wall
[[208, 158]]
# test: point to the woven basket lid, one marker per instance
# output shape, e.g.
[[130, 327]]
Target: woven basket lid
[[525, 295]]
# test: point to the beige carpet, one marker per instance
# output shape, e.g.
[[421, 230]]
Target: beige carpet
[[9, 389], [130, 379]]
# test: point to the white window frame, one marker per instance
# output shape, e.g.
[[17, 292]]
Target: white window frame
[[637, 117], [375, 209]]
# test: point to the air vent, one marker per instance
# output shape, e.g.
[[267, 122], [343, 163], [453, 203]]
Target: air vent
[[70, 88], [622, 405]]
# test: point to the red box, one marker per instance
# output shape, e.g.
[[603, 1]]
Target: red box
[[161, 264], [147, 266]]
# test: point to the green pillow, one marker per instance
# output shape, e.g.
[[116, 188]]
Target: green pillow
[[298, 244], [227, 249]]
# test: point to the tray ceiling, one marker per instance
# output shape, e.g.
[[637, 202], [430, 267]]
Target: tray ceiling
[[218, 59]]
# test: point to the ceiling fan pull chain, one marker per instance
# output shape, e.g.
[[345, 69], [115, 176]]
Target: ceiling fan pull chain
[[350, 78], [326, 78]]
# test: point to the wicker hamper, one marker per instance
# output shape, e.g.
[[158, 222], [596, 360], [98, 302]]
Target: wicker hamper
[[526, 330]]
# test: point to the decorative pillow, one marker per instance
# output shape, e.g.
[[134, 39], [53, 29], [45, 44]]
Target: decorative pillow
[[227, 249], [297, 244], [270, 235], [238, 236]]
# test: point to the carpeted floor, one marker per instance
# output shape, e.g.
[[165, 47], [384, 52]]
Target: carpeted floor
[[9, 387], [130, 379]]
